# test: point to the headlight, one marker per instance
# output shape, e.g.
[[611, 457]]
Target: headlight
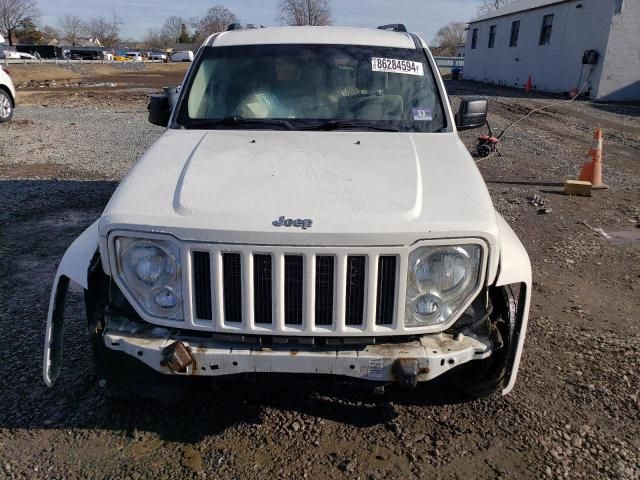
[[439, 281], [150, 270]]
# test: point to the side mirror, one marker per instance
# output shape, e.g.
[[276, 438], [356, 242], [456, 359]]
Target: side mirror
[[162, 104], [159, 109], [472, 113]]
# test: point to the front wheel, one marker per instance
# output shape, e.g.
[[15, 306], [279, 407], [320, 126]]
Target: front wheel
[[481, 378], [121, 376], [6, 107]]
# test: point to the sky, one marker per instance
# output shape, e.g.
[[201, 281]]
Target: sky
[[423, 17]]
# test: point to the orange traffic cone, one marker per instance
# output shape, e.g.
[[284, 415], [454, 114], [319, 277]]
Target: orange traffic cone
[[529, 86], [592, 171]]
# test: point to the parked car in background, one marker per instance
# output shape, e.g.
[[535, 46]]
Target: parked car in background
[[9, 54], [158, 56], [7, 95], [45, 51], [120, 58], [135, 56], [184, 56], [82, 53], [27, 56]]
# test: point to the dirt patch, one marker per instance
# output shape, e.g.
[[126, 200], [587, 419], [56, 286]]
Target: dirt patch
[[43, 170], [153, 75], [39, 73]]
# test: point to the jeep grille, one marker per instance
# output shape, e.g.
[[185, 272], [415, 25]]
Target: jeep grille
[[305, 292]]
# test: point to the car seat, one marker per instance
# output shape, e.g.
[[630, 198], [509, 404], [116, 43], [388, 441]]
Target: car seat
[[373, 102]]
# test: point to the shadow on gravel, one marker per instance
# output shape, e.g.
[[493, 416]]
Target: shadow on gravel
[[469, 87], [537, 183], [211, 410], [631, 109], [38, 221]]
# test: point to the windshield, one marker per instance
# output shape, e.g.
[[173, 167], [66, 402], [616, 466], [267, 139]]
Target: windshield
[[313, 87]]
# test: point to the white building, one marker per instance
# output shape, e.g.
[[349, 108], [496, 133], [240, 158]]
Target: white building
[[547, 40]]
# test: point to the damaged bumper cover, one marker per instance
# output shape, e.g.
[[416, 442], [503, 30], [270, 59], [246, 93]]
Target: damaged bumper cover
[[174, 352]]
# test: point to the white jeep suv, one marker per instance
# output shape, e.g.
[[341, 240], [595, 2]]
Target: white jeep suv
[[7, 95], [311, 211]]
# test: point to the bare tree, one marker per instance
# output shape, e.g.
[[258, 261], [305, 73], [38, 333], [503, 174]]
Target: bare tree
[[172, 28], [14, 14], [49, 33], [448, 38], [106, 31], [304, 12], [154, 40], [217, 19], [71, 27], [489, 6]]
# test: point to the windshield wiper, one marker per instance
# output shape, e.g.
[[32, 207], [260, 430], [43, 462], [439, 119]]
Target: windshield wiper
[[346, 125], [236, 121]]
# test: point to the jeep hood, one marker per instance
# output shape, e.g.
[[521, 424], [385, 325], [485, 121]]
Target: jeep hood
[[358, 188]]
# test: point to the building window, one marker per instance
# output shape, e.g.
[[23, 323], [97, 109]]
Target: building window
[[545, 33], [474, 38], [515, 32], [618, 7], [492, 36]]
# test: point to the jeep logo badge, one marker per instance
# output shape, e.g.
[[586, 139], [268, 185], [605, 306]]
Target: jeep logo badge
[[290, 222]]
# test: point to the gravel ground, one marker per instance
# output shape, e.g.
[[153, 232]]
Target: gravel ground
[[83, 143], [573, 414]]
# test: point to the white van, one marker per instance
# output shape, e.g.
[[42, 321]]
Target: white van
[[135, 56], [184, 56]]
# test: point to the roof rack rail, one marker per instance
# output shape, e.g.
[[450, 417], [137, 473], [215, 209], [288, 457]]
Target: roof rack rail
[[243, 26], [393, 27]]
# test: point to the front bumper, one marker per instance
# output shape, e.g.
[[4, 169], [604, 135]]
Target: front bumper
[[431, 355]]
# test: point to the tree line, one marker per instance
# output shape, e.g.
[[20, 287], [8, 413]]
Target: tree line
[[18, 20], [218, 18]]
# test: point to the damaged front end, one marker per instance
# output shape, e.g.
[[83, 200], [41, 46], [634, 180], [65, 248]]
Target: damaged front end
[[480, 352], [482, 338]]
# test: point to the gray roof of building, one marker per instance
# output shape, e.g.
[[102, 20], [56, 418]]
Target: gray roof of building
[[517, 7]]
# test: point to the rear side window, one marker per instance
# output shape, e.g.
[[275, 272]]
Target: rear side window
[[474, 38], [545, 32]]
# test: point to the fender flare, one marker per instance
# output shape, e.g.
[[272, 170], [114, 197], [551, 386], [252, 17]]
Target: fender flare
[[514, 268], [74, 267]]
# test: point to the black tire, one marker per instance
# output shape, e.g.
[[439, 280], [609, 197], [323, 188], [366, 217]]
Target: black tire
[[483, 150], [122, 377], [6, 106], [482, 378]]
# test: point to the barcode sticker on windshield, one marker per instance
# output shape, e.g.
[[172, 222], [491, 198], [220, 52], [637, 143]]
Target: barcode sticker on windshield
[[422, 114], [392, 65]]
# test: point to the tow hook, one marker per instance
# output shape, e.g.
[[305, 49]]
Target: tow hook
[[405, 371], [176, 357]]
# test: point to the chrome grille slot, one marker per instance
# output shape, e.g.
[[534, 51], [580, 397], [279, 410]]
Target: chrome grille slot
[[293, 288], [355, 295], [324, 290], [232, 287], [262, 289], [386, 288], [202, 285]]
